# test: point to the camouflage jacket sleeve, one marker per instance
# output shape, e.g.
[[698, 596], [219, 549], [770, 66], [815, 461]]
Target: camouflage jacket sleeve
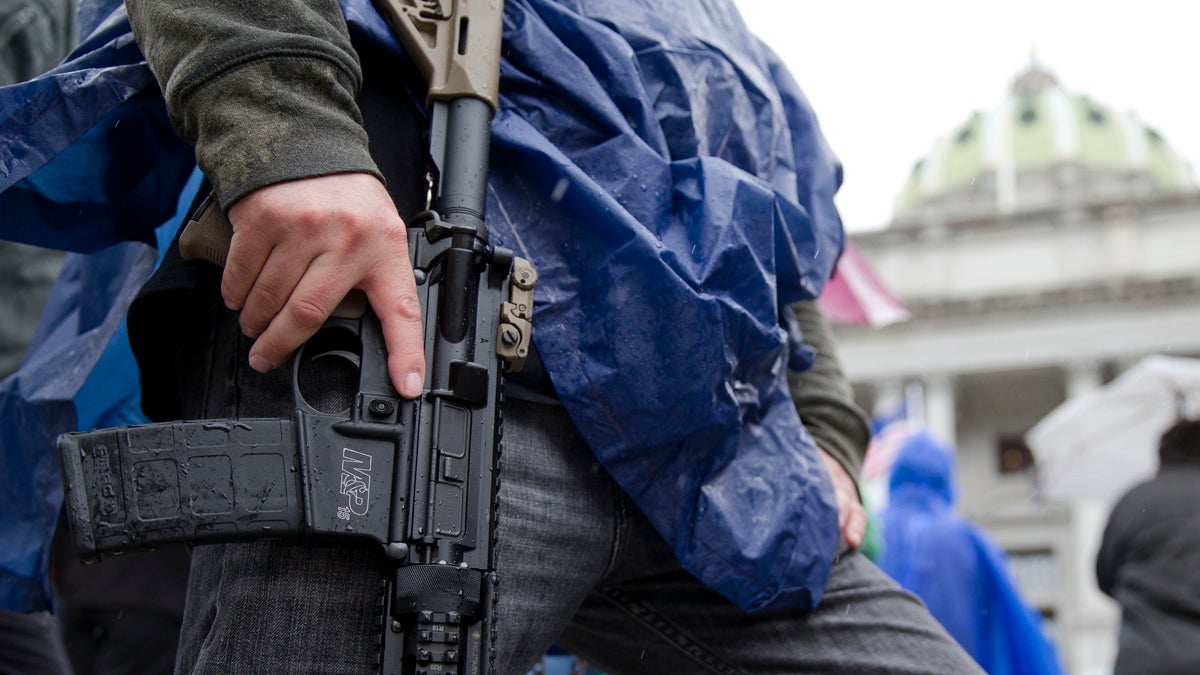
[[824, 398], [265, 91]]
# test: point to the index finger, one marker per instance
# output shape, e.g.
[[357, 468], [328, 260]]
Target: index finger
[[394, 299], [310, 303]]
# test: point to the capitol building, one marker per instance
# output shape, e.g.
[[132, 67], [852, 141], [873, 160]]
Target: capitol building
[[1041, 247]]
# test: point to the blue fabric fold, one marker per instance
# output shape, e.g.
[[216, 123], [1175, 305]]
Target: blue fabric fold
[[659, 195], [668, 180], [87, 154], [78, 373], [36, 403]]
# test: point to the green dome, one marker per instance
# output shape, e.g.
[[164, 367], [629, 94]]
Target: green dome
[[1040, 126]]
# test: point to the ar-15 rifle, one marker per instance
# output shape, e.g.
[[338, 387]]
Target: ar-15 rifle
[[418, 477]]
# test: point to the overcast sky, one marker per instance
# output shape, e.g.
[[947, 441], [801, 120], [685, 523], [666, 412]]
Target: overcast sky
[[887, 78]]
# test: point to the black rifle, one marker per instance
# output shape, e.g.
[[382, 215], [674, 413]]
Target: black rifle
[[418, 477]]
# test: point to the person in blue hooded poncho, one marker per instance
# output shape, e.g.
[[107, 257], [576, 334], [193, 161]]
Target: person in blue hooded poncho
[[951, 564], [664, 508]]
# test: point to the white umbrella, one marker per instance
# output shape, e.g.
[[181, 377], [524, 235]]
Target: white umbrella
[[1098, 445]]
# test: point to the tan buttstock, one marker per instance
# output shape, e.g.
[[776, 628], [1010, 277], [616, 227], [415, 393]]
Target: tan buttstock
[[453, 42]]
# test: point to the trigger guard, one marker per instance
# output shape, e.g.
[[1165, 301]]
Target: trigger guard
[[345, 354]]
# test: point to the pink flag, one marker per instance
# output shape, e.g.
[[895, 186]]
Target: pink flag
[[855, 295]]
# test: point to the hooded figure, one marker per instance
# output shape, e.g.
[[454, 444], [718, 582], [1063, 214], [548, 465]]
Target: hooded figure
[[951, 564]]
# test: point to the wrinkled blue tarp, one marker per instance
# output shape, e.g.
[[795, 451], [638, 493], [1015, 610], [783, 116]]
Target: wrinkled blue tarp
[[955, 568], [673, 193], [78, 373]]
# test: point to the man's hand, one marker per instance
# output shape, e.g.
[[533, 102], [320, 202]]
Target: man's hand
[[298, 248], [852, 517]]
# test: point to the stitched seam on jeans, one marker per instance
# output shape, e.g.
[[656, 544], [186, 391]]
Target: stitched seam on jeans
[[668, 631], [202, 654], [620, 529]]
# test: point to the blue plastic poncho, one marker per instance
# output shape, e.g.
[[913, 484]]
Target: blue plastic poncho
[[674, 193], [955, 568], [78, 373]]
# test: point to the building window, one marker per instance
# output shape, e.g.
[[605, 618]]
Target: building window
[[1013, 455], [1038, 574]]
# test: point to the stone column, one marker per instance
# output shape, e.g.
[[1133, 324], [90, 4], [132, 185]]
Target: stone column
[[1083, 377], [940, 408], [889, 396]]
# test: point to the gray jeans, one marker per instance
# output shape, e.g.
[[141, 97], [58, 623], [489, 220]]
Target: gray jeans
[[578, 565]]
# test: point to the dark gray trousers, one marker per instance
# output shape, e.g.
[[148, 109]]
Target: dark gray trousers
[[578, 564]]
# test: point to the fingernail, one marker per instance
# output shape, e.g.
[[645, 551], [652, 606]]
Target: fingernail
[[260, 364], [412, 384]]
